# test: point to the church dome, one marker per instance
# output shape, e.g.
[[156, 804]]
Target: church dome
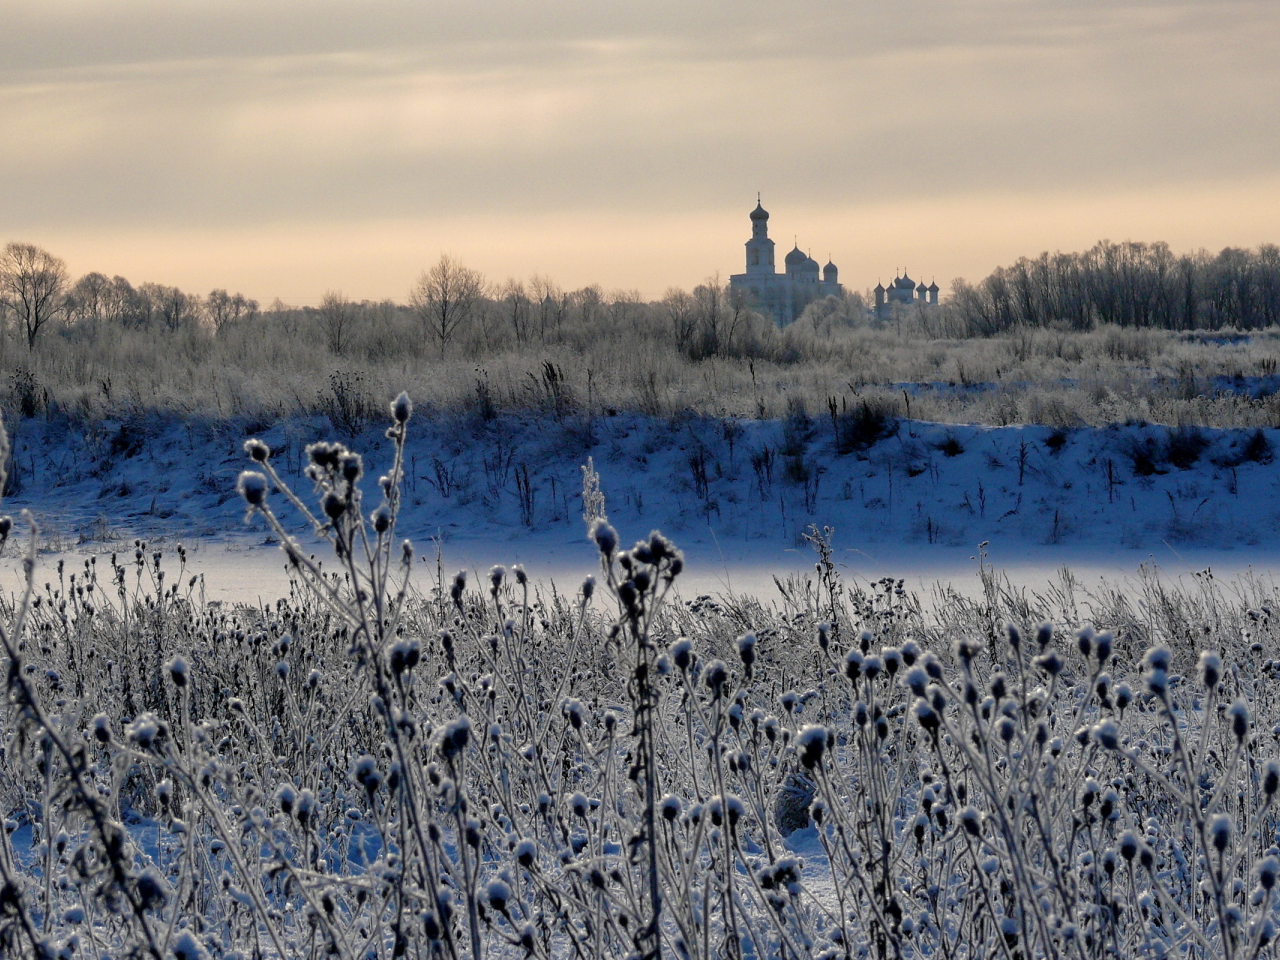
[[879, 287], [830, 272], [933, 287], [904, 283], [795, 257], [759, 213], [922, 289], [811, 264]]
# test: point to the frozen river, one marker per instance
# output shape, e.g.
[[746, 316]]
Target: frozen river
[[251, 572]]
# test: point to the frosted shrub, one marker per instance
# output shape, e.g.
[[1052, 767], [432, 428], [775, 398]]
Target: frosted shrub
[[490, 770]]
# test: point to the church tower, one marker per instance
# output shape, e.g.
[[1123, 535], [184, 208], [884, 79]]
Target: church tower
[[759, 247]]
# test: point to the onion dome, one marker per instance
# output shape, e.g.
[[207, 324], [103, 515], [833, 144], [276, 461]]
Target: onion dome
[[759, 213], [933, 287], [829, 272], [811, 264], [795, 257], [904, 283], [879, 287], [922, 289]]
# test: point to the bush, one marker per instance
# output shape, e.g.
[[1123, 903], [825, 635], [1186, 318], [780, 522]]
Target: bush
[[951, 446], [1147, 456], [1184, 447], [863, 426], [1257, 448]]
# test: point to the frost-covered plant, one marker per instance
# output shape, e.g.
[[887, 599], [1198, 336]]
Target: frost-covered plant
[[492, 769]]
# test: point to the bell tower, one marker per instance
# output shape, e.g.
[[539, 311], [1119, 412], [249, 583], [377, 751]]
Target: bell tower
[[759, 247]]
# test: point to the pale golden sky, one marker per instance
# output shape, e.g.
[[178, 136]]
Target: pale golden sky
[[285, 148]]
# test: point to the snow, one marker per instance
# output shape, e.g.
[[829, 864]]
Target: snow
[[736, 495]]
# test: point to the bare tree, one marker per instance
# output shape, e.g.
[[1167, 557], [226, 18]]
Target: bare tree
[[337, 314], [590, 303], [86, 301], [168, 306], [739, 304], [226, 310], [709, 309], [552, 303], [445, 298], [31, 285], [680, 310], [515, 302]]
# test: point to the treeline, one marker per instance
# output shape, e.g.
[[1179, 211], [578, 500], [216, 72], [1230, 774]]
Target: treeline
[[35, 292], [1126, 284], [451, 312]]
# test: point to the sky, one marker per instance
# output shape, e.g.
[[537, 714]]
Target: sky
[[284, 148]]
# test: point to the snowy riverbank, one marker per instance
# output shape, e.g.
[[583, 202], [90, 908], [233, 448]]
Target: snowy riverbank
[[909, 499]]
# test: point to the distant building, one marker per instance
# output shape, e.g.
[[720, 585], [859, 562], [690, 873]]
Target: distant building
[[905, 291], [782, 295]]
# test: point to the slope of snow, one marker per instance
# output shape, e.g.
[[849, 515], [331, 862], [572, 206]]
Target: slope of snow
[[737, 495]]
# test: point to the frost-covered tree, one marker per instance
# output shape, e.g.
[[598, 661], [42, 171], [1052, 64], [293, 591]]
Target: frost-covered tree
[[32, 281], [445, 298]]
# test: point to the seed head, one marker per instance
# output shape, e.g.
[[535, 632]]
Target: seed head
[[1128, 845], [927, 716], [498, 893], [853, 664], [1044, 635], [605, 537], [1102, 647], [187, 947], [1107, 734], [1050, 663], [455, 737], [1210, 669], [1014, 636], [716, 676], [1157, 658], [1239, 714], [812, 742], [1220, 829], [1268, 872], [916, 680], [401, 408], [253, 487]]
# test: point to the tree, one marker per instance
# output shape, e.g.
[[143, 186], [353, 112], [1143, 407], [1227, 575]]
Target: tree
[[679, 308], [709, 304], [225, 310], [515, 303], [168, 306], [552, 304], [445, 298], [86, 301], [336, 316], [31, 285]]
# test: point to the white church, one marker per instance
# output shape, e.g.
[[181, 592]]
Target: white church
[[785, 295]]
